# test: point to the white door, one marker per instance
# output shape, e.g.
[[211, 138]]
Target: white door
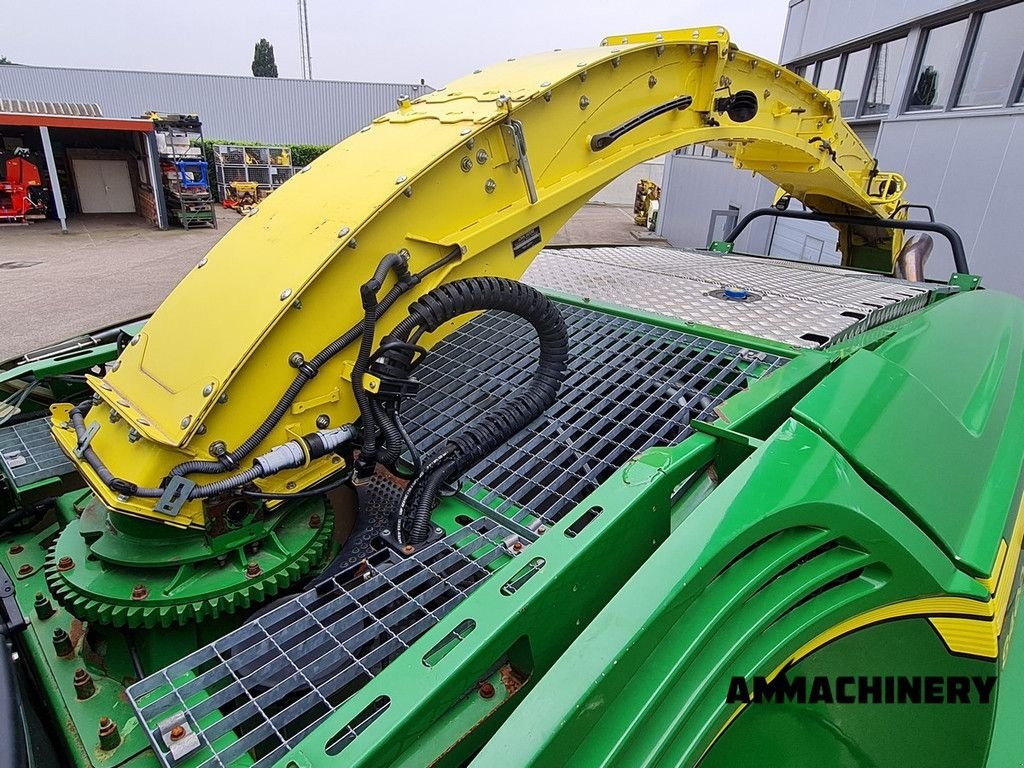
[[104, 186]]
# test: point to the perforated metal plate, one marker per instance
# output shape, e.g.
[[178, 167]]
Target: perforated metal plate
[[256, 692], [801, 304], [631, 385]]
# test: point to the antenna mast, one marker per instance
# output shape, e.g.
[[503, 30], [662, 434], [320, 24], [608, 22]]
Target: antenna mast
[[304, 54]]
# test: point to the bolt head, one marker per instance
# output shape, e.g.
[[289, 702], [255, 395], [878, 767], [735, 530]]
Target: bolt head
[[343, 231], [490, 186], [486, 690], [401, 179], [323, 421], [466, 165], [177, 733], [202, 263], [408, 549], [208, 390], [315, 521], [65, 564], [252, 570], [133, 435], [185, 422], [652, 81], [25, 570], [286, 293], [16, 549], [140, 592], [584, 102]]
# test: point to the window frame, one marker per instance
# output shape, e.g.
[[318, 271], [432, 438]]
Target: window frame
[[970, 42]]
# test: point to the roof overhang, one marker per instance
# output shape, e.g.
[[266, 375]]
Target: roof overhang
[[71, 121]]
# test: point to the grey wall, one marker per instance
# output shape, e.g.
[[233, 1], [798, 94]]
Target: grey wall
[[971, 168], [622, 191], [817, 25], [270, 110], [694, 186]]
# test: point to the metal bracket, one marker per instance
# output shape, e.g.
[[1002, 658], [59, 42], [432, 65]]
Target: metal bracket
[[178, 736], [174, 496], [90, 433], [515, 129]]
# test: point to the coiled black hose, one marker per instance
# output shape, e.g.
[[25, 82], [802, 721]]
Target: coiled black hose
[[477, 440]]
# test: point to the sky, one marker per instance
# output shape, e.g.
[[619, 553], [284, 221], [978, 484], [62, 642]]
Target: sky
[[376, 41]]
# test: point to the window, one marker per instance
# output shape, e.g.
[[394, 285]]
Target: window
[[828, 73], [933, 82], [882, 83], [995, 55], [853, 81]]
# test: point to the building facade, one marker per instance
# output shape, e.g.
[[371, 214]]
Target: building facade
[[265, 109], [935, 88]]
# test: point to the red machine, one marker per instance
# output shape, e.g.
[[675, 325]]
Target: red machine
[[22, 194]]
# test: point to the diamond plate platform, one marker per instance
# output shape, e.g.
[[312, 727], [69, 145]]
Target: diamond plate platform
[[801, 304]]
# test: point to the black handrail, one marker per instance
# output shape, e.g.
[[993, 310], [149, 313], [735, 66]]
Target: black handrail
[[957, 245]]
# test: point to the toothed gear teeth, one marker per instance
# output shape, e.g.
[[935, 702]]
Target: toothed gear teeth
[[69, 588]]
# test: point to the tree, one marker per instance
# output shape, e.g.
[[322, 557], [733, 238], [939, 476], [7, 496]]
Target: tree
[[5, 60], [263, 64]]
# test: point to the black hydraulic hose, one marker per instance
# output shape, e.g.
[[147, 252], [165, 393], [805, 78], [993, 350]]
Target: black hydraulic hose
[[393, 440], [477, 440], [231, 459]]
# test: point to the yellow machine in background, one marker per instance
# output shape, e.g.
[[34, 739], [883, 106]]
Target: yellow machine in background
[[517, 149]]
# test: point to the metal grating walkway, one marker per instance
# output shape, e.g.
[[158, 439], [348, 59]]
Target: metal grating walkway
[[257, 691], [631, 385], [801, 304], [28, 453]]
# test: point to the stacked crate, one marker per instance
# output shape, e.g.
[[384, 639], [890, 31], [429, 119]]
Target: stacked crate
[[268, 167]]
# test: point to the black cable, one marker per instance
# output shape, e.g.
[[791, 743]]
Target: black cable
[[231, 459], [303, 494], [472, 443]]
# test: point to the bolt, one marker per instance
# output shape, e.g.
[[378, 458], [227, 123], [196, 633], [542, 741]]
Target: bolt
[[201, 430], [517, 547], [286, 293], [43, 606], [114, 366], [218, 448], [401, 179], [109, 736], [584, 102], [652, 81], [295, 359], [253, 570], [16, 549], [223, 398], [62, 642], [343, 231], [542, 529], [133, 435], [65, 564], [185, 422], [315, 521], [25, 570], [486, 690], [481, 156], [140, 592], [323, 421], [135, 340], [114, 416], [84, 685], [177, 733], [490, 186], [466, 165], [408, 549], [202, 263], [208, 390]]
